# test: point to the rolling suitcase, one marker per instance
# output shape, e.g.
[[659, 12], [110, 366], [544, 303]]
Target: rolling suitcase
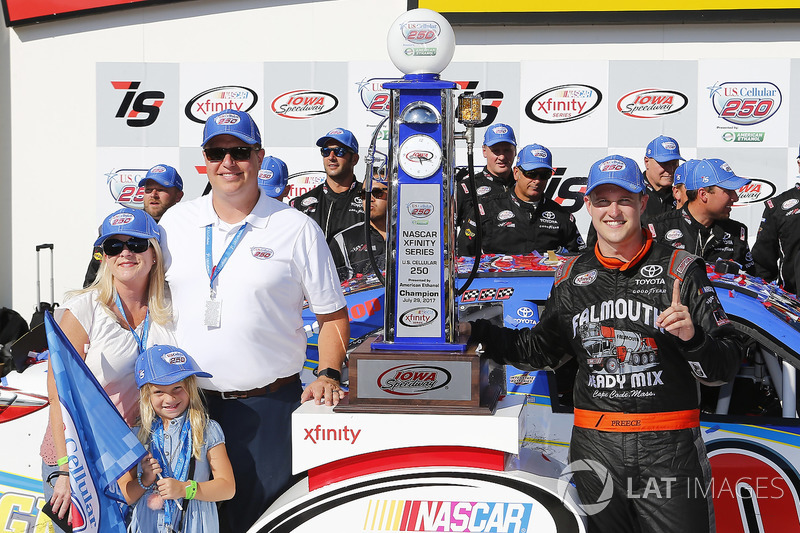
[[41, 307]]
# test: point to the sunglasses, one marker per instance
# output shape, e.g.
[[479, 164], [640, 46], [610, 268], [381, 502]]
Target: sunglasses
[[338, 151], [238, 153], [378, 194], [136, 245], [537, 174]]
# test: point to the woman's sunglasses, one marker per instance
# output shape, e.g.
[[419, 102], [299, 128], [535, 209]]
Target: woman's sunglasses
[[137, 245], [238, 153], [378, 194]]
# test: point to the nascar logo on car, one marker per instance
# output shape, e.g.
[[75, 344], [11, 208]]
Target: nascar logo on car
[[745, 103], [651, 103], [205, 104], [564, 103], [303, 104]]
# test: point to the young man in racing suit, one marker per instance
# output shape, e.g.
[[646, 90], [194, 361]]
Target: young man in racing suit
[[336, 203], [777, 248], [644, 324], [703, 226]]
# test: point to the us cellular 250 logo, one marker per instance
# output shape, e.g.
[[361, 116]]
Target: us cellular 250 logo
[[745, 103], [139, 108]]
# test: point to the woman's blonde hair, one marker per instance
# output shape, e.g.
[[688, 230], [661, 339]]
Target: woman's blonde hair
[[158, 302], [198, 418]]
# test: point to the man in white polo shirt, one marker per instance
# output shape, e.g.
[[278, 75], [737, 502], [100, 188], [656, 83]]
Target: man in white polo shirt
[[240, 265]]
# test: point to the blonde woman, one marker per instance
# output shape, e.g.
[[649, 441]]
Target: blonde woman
[[110, 323]]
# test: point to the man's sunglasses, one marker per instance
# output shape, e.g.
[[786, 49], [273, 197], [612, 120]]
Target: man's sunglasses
[[378, 194], [339, 151], [537, 174], [238, 153], [137, 245]]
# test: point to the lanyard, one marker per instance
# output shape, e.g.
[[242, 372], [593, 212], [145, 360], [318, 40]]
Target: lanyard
[[184, 453], [140, 342], [213, 271]]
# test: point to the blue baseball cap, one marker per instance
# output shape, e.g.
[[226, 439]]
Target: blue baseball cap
[[341, 136], [717, 172], [534, 156], [663, 148], [499, 133], [164, 175], [163, 364], [616, 170], [273, 176], [128, 221], [683, 170], [232, 122]]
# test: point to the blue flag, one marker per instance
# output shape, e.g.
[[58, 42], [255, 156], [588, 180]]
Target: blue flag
[[100, 445]]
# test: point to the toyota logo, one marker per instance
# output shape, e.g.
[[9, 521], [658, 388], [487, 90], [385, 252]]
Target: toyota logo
[[525, 312], [651, 271]]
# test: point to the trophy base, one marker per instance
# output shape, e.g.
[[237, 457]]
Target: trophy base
[[429, 382]]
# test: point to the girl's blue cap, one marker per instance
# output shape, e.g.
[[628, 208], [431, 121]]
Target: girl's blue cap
[[163, 364]]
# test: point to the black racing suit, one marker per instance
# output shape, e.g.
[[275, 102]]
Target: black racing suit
[[349, 251], [332, 211], [603, 315], [777, 248], [513, 227], [658, 202], [725, 239], [487, 185]]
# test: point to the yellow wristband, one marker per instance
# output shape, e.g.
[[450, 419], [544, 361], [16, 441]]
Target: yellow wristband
[[191, 490], [64, 460]]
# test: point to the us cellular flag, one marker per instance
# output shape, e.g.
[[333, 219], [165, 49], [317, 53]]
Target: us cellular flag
[[100, 445]]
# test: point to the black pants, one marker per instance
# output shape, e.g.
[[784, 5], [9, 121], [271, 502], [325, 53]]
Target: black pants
[[654, 481]]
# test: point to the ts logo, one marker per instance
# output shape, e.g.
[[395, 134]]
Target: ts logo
[[141, 113]]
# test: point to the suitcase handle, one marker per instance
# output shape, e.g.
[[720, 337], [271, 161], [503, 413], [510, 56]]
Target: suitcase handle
[[44, 246]]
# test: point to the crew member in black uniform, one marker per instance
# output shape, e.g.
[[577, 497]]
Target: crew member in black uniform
[[703, 226], [777, 248], [336, 203], [679, 181], [348, 247], [523, 220], [644, 325], [499, 149], [661, 157]]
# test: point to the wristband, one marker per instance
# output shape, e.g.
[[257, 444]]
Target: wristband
[[64, 460], [139, 479], [191, 490]]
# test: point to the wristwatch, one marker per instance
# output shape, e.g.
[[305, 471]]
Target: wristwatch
[[328, 373]]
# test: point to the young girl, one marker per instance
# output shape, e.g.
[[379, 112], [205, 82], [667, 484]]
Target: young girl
[[187, 469]]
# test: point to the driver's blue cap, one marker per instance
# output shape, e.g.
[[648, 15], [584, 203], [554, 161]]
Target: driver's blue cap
[[616, 170], [273, 176], [499, 133], [663, 149]]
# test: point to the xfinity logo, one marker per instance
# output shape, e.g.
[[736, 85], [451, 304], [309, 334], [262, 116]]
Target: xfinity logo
[[212, 101], [564, 103]]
